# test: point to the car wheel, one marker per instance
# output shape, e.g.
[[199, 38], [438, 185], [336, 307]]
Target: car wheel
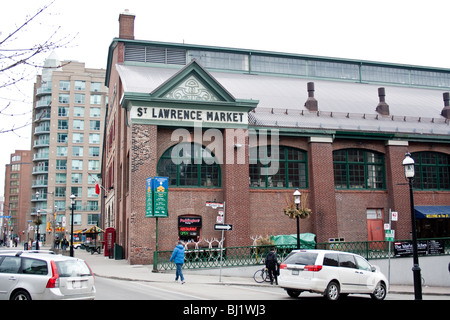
[[332, 291], [21, 295], [380, 292], [293, 293]]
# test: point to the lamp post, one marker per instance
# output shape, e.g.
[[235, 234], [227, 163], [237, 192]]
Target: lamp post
[[408, 164], [297, 195], [72, 202], [38, 225]]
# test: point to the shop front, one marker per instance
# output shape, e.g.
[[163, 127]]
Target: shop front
[[433, 221]]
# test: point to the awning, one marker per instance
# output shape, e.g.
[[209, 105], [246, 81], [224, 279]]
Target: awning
[[432, 212], [94, 229]]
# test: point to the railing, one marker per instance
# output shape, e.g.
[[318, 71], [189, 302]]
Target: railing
[[255, 255]]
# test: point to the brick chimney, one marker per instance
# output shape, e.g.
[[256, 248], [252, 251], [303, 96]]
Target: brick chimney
[[446, 111], [126, 25], [311, 104], [382, 107]]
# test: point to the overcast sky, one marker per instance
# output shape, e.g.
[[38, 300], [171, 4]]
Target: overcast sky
[[397, 31]]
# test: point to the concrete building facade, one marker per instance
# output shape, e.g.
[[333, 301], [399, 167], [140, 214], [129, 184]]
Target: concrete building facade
[[67, 136]]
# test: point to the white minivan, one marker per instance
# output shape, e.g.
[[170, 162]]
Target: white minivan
[[331, 273], [38, 275]]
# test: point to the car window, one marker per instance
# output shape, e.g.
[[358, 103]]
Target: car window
[[306, 258], [72, 268], [331, 259], [363, 264], [347, 261], [34, 266], [10, 265]]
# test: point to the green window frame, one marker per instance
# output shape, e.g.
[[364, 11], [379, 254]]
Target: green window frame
[[190, 165], [292, 168], [432, 170], [359, 169]]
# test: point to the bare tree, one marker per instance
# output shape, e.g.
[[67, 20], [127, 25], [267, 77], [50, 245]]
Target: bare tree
[[20, 61]]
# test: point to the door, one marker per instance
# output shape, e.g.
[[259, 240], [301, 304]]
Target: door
[[9, 269], [375, 230], [348, 273]]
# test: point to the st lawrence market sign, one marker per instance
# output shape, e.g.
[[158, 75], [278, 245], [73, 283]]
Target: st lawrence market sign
[[157, 115]]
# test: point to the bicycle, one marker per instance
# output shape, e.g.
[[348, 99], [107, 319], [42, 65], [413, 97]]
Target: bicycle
[[261, 275]]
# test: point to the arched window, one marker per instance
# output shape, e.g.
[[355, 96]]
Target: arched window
[[432, 170], [189, 165], [292, 168], [358, 169]]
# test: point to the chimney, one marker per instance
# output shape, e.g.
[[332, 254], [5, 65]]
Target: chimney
[[382, 107], [126, 25], [311, 104], [446, 111]]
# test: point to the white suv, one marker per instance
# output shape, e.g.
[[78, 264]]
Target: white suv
[[331, 273], [43, 276]]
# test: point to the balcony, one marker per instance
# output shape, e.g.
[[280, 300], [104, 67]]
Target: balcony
[[44, 90], [40, 156], [39, 183], [41, 143]]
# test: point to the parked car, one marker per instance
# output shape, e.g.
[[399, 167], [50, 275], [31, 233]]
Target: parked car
[[39, 275], [331, 273]]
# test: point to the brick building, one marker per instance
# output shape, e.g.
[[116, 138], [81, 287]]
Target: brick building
[[249, 127], [17, 195]]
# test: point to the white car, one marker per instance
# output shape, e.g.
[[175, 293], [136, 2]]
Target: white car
[[35, 275], [331, 273]]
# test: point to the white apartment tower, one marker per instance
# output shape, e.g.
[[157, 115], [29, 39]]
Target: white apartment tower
[[67, 135]]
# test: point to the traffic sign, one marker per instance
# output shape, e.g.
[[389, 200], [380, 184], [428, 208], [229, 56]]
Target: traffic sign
[[214, 205], [390, 235], [225, 227], [394, 216]]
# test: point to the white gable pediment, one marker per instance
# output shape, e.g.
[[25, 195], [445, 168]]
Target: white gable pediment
[[191, 89]]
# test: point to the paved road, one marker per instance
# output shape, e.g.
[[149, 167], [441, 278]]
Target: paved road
[[112, 289]]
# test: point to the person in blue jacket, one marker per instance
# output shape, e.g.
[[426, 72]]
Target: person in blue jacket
[[178, 258]]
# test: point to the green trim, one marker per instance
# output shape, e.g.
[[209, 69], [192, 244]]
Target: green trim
[[351, 171], [282, 162], [167, 155], [436, 175]]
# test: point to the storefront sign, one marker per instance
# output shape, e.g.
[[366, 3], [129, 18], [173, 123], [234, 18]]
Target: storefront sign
[[191, 115], [424, 247], [189, 228], [156, 197], [190, 221]]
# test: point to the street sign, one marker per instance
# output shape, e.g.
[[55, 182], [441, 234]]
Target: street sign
[[394, 216], [225, 227], [390, 235], [214, 205], [5, 217]]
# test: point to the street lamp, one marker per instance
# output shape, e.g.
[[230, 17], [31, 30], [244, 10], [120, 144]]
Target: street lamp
[[38, 213], [72, 202], [408, 164], [297, 195]]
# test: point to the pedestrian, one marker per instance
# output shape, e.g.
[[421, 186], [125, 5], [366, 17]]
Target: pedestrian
[[271, 265], [57, 243], [64, 243], [178, 258]]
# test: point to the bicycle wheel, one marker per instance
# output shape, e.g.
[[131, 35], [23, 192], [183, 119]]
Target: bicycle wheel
[[260, 275]]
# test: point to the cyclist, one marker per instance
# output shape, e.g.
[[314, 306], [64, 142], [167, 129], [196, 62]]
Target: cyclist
[[271, 265]]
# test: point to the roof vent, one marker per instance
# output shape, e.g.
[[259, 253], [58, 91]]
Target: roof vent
[[311, 104], [382, 107], [446, 111]]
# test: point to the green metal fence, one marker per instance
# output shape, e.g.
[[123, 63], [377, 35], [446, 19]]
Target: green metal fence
[[254, 255]]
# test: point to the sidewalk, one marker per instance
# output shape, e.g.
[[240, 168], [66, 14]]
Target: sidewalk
[[120, 269]]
